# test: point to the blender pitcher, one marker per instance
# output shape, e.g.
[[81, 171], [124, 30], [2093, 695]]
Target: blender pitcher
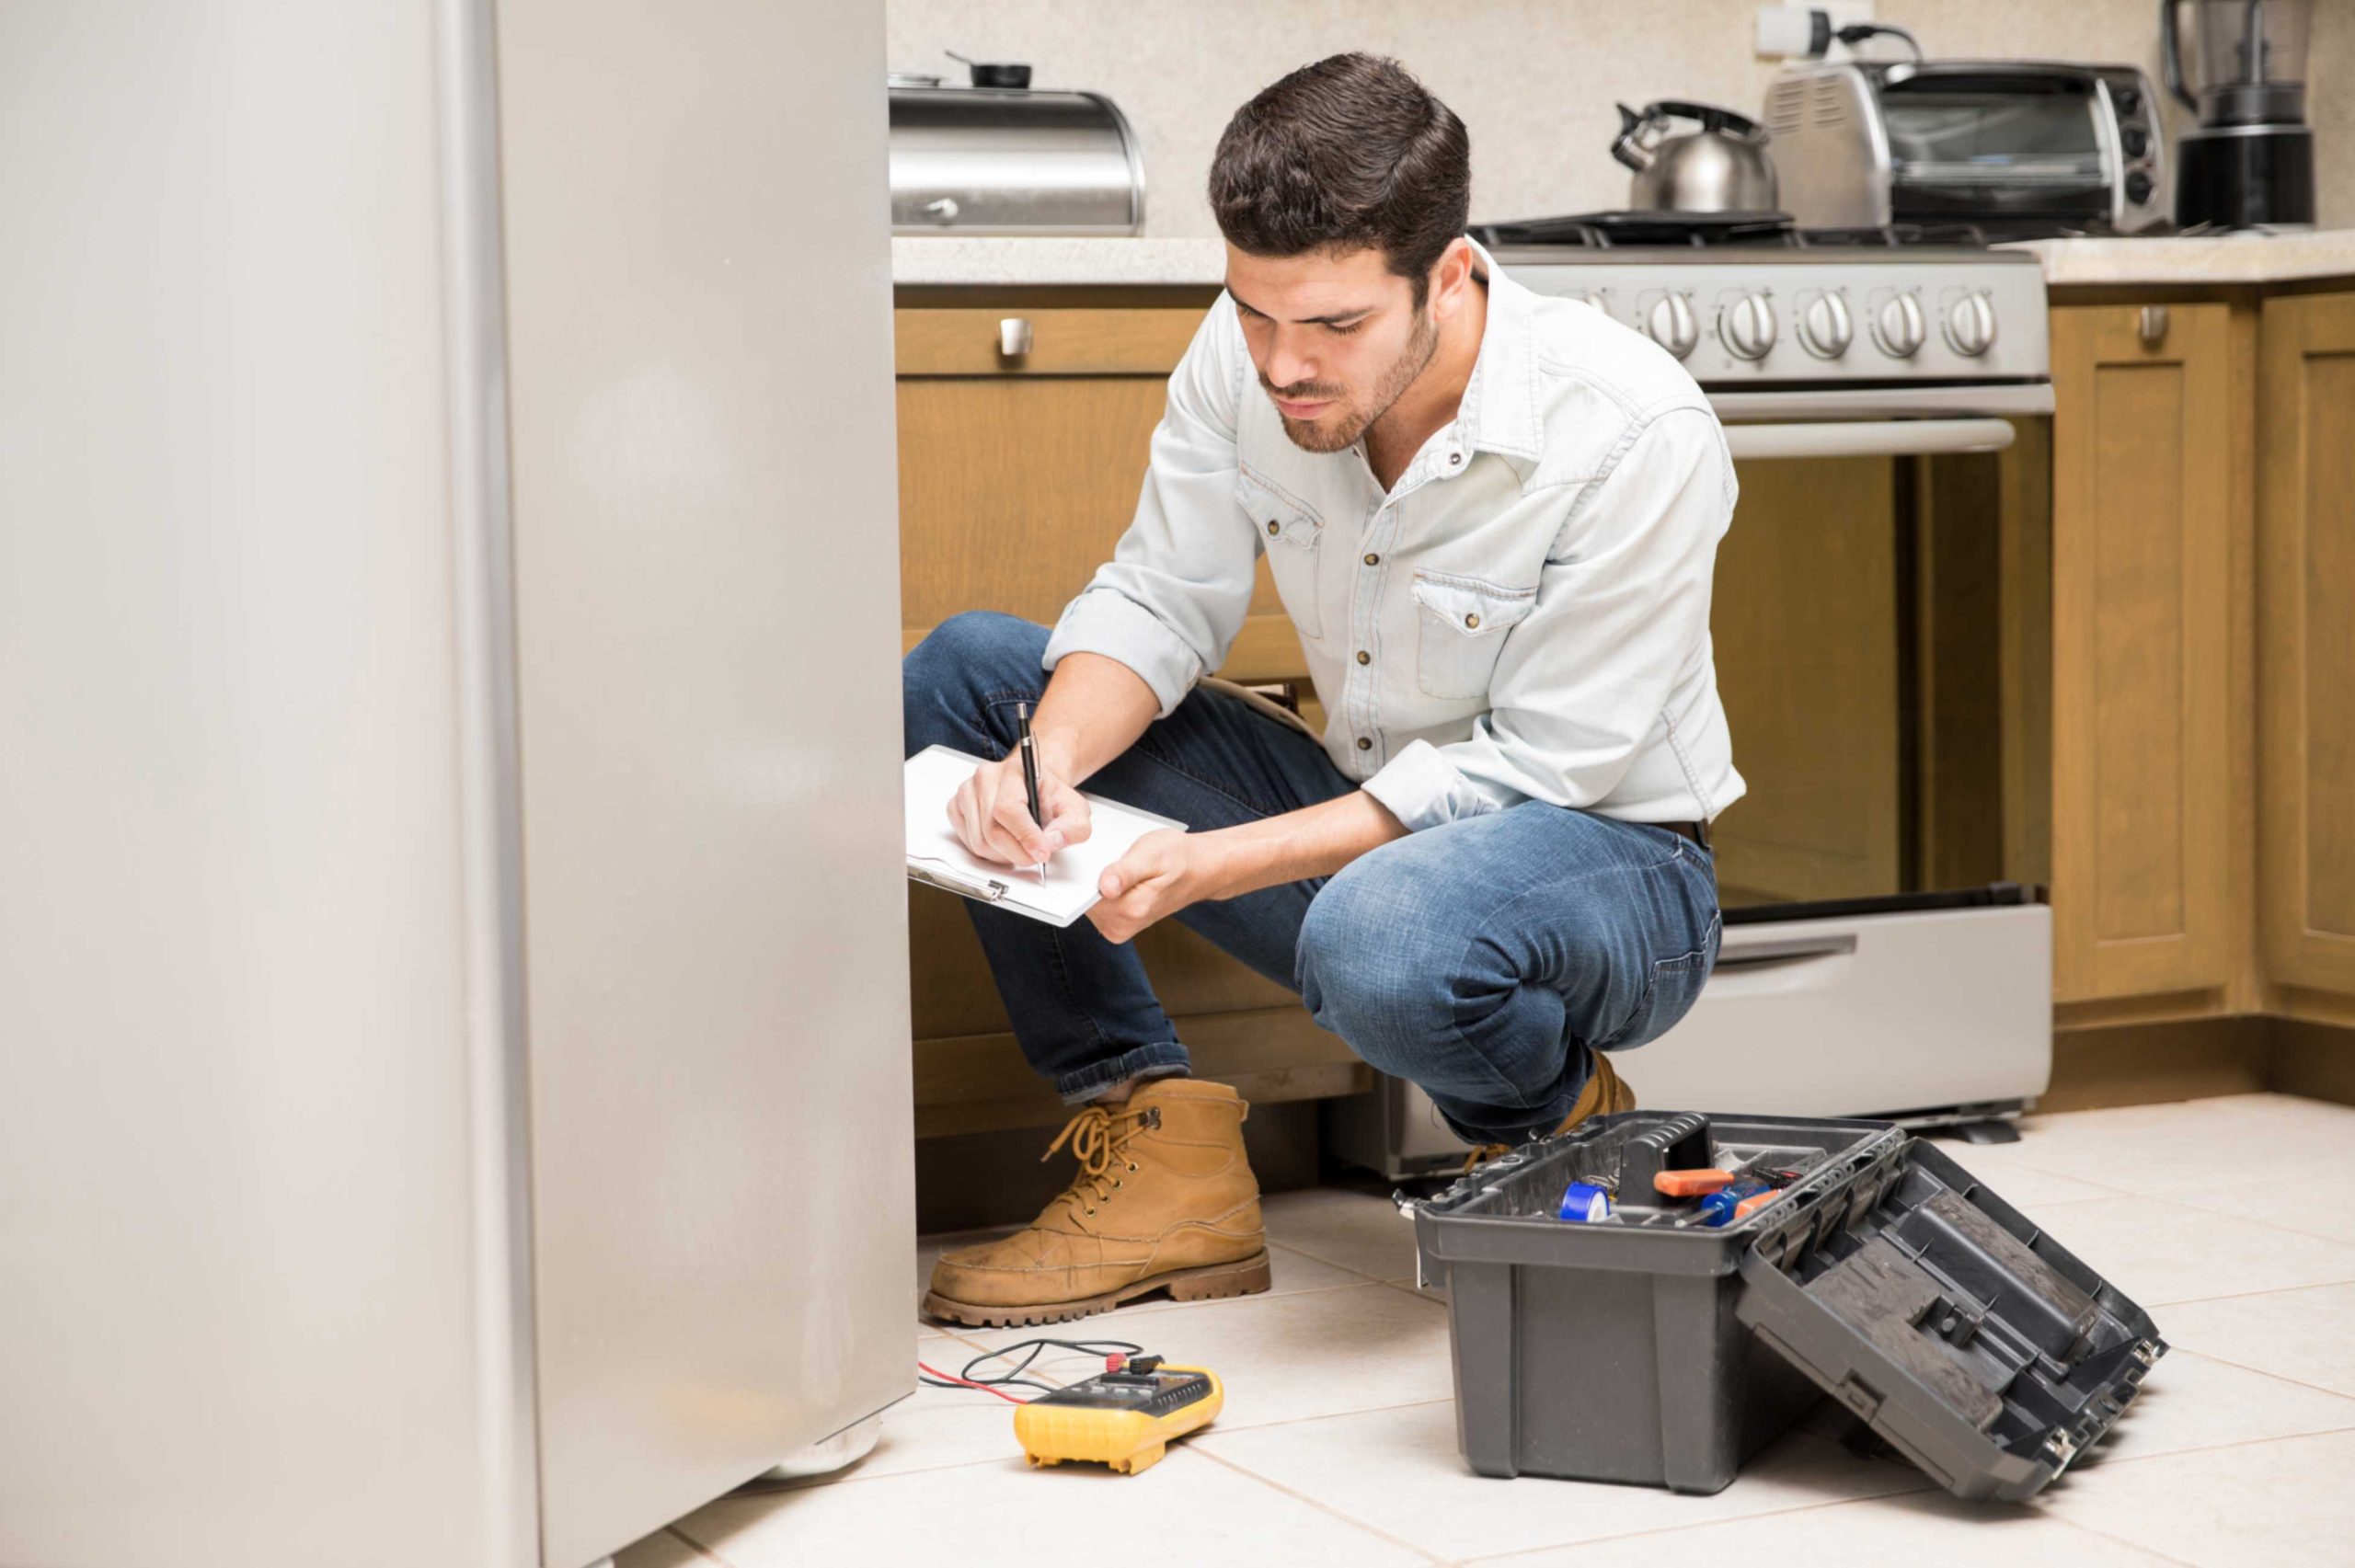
[[2250, 161]]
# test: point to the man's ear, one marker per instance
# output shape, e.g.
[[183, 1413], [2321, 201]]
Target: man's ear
[[1451, 278]]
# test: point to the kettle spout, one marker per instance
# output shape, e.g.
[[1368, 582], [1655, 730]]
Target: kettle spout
[[1632, 147]]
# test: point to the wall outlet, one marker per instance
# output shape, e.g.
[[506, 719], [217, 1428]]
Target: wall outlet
[[1784, 31]]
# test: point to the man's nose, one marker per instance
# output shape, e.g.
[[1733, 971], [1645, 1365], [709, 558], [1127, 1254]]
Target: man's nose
[[1287, 366]]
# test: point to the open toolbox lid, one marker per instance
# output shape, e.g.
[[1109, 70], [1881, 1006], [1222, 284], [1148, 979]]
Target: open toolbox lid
[[1972, 1342]]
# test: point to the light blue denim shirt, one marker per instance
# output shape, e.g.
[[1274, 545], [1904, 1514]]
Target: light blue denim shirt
[[1531, 598]]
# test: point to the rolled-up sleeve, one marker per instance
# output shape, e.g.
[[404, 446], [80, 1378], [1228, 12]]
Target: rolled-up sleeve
[[1171, 601], [1622, 613]]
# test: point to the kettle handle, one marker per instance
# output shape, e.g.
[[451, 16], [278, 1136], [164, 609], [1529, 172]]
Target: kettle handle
[[1722, 121], [1625, 146], [2171, 53]]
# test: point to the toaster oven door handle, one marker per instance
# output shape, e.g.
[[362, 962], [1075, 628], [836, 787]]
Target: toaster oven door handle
[[1869, 438]]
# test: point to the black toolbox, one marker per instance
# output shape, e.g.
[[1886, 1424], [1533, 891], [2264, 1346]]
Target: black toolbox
[[1651, 1348]]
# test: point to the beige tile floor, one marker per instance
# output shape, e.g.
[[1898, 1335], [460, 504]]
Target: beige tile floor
[[1338, 1443]]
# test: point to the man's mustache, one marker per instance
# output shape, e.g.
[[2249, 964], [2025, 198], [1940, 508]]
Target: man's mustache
[[1300, 392]]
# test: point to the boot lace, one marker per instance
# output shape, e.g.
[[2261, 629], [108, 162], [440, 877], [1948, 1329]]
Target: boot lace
[[1099, 1137]]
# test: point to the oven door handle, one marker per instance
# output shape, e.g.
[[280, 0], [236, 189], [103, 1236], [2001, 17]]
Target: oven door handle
[[1869, 438]]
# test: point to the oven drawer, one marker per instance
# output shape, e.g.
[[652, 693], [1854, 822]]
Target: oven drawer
[[1883, 1015], [1916, 1014]]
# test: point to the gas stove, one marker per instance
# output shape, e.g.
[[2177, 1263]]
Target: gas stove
[[1910, 319]]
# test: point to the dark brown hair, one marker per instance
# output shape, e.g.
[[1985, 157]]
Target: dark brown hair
[[1347, 154]]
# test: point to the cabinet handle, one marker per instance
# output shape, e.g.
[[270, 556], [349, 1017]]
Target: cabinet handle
[[1014, 336], [2151, 324], [942, 210]]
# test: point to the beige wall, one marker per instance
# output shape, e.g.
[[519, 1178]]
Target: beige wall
[[1534, 79]]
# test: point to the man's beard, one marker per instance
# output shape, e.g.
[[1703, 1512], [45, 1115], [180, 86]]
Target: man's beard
[[1341, 434]]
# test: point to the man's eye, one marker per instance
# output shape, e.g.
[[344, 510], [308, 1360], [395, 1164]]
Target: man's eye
[[1339, 331]]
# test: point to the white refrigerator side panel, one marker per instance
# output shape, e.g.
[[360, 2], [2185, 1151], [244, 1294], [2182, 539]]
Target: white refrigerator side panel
[[239, 1317], [699, 296]]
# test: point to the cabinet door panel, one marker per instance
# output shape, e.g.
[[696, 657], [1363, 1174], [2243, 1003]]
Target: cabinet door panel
[[2306, 641], [2142, 470], [1013, 489]]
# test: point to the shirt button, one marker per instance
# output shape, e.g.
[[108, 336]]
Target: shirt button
[[1364, 744], [1472, 620], [1273, 527], [1371, 559], [1453, 458], [1364, 658]]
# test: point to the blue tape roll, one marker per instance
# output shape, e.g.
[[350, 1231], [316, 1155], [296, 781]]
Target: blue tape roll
[[1583, 1203]]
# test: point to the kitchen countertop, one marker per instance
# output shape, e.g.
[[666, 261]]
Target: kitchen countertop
[[1056, 262], [2206, 258]]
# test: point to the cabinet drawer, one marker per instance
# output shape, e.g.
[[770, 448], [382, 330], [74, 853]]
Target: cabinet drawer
[[963, 342]]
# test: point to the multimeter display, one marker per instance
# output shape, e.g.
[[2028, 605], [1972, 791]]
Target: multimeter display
[[1156, 1393]]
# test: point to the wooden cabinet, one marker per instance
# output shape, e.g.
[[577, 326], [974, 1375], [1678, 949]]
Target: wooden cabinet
[[1017, 475], [1018, 472], [2306, 588], [2145, 498]]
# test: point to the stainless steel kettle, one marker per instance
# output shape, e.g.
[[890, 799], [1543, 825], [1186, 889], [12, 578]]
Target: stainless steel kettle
[[1722, 167]]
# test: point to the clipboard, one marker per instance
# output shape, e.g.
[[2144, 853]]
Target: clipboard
[[938, 859]]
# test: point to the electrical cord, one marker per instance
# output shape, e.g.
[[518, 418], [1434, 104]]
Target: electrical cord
[[973, 1376], [1856, 32]]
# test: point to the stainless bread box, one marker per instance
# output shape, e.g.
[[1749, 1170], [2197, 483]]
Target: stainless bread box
[[1001, 161]]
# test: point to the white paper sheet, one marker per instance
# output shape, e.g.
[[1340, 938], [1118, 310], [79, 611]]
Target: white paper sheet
[[936, 855]]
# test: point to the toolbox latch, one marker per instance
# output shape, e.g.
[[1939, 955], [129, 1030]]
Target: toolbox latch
[[1858, 1396]]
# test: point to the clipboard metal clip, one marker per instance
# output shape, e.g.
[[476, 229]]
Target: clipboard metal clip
[[996, 891]]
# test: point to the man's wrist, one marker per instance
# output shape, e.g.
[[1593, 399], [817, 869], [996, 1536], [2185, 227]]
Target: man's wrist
[[1058, 753], [1225, 862]]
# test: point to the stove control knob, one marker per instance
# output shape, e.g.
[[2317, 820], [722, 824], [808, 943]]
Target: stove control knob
[[1825, 327], [1673, 325], [1898, 326], [1747, 326], [1971, 325], [1588, 297]]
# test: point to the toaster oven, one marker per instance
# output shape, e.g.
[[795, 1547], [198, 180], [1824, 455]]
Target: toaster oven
[[2018, 148]]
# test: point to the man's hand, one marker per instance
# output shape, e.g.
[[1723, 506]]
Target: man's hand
[[1162, 871], [991, 812]]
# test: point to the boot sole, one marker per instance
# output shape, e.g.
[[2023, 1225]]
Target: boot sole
[[1211, 1282]]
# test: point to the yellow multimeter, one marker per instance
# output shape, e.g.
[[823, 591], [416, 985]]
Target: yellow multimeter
[[1126, 1418]]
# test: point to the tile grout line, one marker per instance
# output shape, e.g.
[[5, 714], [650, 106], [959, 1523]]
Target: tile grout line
[[1922, 1485], [2259, 1371], [2248, 1295], [698, 1548], [1214, 1429], [1325, 1509], [2121, 1541]]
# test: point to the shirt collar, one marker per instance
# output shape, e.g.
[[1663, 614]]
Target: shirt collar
[[1499, 410]]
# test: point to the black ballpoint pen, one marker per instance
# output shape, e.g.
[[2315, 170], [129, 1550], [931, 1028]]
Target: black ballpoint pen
[[1030, 775]]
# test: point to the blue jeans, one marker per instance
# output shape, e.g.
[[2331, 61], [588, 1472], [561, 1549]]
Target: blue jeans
[[1482, 959]]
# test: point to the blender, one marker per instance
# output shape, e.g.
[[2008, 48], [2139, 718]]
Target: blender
[[2250, 163]]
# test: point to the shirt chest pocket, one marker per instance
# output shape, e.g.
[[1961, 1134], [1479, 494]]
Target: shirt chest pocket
[[1462, 626], [1290, 532]]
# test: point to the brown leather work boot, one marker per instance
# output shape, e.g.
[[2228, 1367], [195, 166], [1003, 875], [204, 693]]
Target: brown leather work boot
[[1605, 1091], [1164, 1200]]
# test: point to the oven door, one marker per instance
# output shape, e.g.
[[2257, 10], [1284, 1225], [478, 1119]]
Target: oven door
[[1885, 543], [1857, 619]]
